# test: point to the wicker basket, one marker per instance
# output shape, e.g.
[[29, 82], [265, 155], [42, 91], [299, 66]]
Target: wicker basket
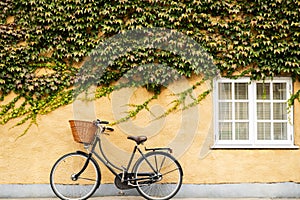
[[83, 131]]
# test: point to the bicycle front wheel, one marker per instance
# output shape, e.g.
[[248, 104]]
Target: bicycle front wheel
[[158, 176], [64, 181]]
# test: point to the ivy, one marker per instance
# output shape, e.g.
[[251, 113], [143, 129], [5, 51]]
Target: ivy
[[44, 41]]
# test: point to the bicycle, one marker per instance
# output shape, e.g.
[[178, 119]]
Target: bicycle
[[156, 174]]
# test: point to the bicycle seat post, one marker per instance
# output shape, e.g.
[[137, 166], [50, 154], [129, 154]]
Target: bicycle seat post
[[123, 174]]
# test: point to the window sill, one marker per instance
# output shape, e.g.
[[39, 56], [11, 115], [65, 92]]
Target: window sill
[[224, 146]]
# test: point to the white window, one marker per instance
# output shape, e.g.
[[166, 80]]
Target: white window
[[253, 114]]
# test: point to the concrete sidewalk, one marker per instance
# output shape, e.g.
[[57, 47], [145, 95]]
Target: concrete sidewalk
[[109, 198], [261, 191], [141, 198], [125, 198], [115, 198]]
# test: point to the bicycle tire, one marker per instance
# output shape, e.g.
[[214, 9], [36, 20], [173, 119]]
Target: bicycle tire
[[167, 181], [63, 171]]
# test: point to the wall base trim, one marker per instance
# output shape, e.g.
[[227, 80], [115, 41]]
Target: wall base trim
[[240, 190]]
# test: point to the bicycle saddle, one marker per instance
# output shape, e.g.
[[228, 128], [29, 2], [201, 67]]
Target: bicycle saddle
[[137, 139]]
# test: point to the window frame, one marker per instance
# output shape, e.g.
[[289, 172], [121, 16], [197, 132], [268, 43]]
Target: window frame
[[252, 141]]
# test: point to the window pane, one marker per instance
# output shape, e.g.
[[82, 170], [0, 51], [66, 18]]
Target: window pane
[[241, 110], [255, 112], [263, 111], [241, 131], [241, 91], [279, 91], [263, 91], [264, 131], [225, 131], [280, 111], [225, 111], [280, 131], [224, 91]]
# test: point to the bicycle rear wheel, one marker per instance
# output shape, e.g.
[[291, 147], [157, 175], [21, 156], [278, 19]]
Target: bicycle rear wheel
[[159, 176], [64, 183]]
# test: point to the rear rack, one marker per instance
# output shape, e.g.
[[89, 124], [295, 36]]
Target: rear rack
[[159, 149]]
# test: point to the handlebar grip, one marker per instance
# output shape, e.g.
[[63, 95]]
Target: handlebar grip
[[110, 129], [102, 122]]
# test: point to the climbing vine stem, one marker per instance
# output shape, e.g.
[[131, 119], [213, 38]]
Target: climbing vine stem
[[44, 43]]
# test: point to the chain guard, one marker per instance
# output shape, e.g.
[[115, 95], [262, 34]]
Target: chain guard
[[122, 185]]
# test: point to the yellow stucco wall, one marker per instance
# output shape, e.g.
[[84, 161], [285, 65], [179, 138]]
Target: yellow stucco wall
[[29, 159]]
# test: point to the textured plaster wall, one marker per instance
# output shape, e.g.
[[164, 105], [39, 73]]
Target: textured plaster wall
[[28, 159]]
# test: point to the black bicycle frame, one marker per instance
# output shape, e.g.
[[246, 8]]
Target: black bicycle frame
[[108, 163], [112, 167]]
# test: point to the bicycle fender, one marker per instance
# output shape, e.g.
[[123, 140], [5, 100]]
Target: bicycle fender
[[96, 163], [153, 152], [82, 153]]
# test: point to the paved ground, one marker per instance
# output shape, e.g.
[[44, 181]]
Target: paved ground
[[140, 198], [101, 198], [104, 198]]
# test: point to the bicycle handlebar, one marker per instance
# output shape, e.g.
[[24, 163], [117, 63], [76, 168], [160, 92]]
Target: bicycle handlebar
[[110, 129], [98, 121]]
